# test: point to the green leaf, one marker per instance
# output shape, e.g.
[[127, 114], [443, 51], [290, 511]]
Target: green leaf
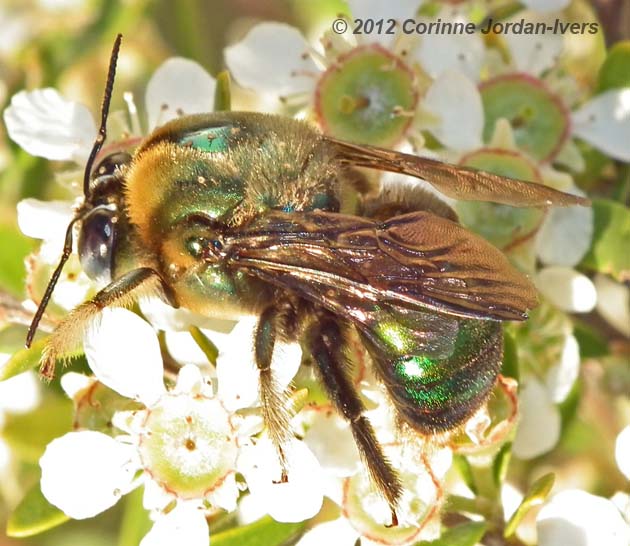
[[222, 94], [592, 343], [615, 71], [34, 515], [135, 521], [23, 360], [509, 367], [208, 348], [465, 471], [264, 532], [29, 433], [12, 339], [537, 494], [466, 534], [611, 240], [501, 463], [15, 247]]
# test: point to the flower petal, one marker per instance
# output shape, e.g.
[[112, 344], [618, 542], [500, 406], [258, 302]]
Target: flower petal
[[622, 451], [73, 383], [237, 373], [565, 235], [539, 427], [46, 220], [329, 429], [338, 532], [272, 58], [178, 87], [185, 524], [534, 53], [190, 381], [613, 303], [567, 289], [377, 10], [580, 519], [297, 499], [165, 317], [604, 122], [546, 5], [124, 354], [456, 101], [20, 394], [84, 473], [562, 375], [47, 125], [439, 52]]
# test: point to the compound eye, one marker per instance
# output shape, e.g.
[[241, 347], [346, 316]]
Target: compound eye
[[111, 163], [97, 242]]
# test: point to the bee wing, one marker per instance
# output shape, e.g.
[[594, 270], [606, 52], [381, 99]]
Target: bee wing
[[417, 261], [454, 181]]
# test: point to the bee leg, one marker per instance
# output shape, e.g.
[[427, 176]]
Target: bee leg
[[273, 399], [120, 293], [326, 343]]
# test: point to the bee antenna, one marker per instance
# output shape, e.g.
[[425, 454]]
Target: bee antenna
[[98, 143], [102, 132], [67, 250]]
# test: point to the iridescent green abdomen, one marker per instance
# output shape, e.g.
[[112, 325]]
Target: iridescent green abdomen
[[436, 393]]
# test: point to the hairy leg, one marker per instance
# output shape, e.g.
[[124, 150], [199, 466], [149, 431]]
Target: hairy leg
[[326, 342], [120, 293], [273, 398]]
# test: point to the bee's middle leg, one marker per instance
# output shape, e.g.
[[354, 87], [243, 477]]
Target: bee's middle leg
[[273, 398]]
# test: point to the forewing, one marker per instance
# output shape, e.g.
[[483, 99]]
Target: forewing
[[454, 181], [417, 261]]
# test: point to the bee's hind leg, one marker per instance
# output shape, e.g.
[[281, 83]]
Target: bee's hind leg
[[67, 337], [326, 341]]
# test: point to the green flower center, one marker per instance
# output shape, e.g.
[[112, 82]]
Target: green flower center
[[368, 512], [188, 445], [539, 118], [368, 95], [504, 226]]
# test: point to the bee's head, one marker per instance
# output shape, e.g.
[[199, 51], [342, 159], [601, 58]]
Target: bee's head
[[99, 213], [100, 217]]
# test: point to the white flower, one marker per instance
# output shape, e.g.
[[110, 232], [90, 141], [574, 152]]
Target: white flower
[[613, 303], [276, 60], [567, 289], [539, 427], [366, 514], [603, 121], [185, 444], [622, 451], [48, 125], [297, 499], [580, 519]]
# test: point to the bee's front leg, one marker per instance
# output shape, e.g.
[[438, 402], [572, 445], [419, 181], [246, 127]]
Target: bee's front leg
[[120, 293], [327, 343]]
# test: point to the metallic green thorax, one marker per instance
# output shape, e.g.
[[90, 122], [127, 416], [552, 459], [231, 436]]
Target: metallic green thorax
[[214, 172], [434, 393]]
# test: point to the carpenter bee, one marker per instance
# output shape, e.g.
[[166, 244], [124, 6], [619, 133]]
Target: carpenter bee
[[237, 213]]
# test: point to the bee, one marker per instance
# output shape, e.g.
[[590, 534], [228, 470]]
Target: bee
[[234, 213]]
